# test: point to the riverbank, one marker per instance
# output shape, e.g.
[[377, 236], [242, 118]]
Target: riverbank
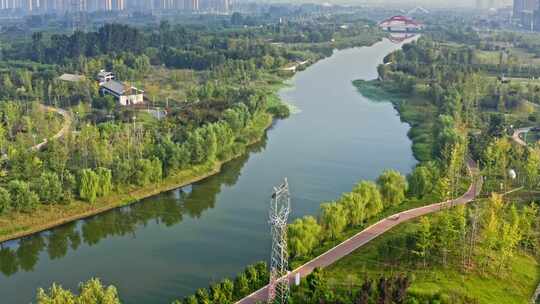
[[19, 225], [414, 109]]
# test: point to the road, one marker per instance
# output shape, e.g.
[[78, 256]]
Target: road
[[370, 233], [65, 126]]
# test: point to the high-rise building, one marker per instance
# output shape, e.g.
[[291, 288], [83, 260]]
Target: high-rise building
[[191, 5]]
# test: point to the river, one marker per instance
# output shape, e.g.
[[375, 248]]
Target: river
[[166, 246]]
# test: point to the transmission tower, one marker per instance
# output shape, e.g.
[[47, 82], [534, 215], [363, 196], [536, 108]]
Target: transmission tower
[[280, 207]]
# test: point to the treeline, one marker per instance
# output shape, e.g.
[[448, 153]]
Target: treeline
[[228, 292], [91, 291], [176, 46], [109, 157], [169, 210]]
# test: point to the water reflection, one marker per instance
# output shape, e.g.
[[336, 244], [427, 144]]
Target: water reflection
[[167, 209]]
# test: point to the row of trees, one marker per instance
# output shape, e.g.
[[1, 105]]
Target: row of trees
[[227, 291], [353, 209]]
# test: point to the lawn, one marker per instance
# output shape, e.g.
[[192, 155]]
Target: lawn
[[450, 282]]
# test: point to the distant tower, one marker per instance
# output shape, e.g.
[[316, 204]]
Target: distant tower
[[280, 207]]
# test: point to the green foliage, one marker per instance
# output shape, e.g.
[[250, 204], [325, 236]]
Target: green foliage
[[393, 187], [304, 235], [371, 195], [90, 292], [5, 201], [23, 199], [89, 185], [49, 188], [226, 292], [333, 220]]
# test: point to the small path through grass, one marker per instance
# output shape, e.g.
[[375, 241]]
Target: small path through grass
[[65, 126]]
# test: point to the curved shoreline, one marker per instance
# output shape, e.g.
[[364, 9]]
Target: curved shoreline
[[123, 199]]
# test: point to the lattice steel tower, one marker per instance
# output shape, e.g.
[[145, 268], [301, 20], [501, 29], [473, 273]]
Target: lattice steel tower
[[280, 207]]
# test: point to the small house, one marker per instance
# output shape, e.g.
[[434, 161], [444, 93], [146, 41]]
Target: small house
[[123, 93], [104, 76]]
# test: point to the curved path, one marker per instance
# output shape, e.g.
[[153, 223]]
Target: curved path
[[371, 233], [517, 135], [65, 126]]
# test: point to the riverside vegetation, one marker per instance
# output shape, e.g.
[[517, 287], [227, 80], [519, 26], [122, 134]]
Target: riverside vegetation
[[456, 107], [486, 253], [116, 155]]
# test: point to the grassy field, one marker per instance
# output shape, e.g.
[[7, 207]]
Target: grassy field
[[450, 283]]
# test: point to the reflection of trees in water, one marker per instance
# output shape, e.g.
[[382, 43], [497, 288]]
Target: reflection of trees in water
[[167, 209]]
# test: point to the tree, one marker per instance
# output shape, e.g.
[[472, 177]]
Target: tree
[[241, 286], [318, 287], [333, 219], [355, 206], [5, 201], [420, 182], [105, 181], [89, 185], [372, 197], [49, 188], [532, 169], [423, 239], [91, 292], [444, 235], [304, 236], [202, 296], [392, 186], [23, 199]]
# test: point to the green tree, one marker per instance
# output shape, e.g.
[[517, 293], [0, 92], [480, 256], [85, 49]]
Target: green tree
[[371, 195], [23, 199], [393, 187], [304, 235], [333, 220], [90, 292], [420, 182], [355, 206], [89, 185], [532, 169], [105, 181], [49, 188], [241, 286], [5, 201], [424, 242]]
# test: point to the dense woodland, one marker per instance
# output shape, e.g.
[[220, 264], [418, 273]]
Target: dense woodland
[[235, 71]]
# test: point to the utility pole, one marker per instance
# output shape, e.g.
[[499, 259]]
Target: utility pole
[[280, 208]]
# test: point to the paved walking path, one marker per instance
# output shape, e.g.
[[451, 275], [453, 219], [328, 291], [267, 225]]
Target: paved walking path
[[371, 233], [65, 127], [517, 135]]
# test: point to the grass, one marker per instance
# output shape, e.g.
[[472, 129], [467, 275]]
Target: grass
[[450, 282], [532, 137], [414, 109]]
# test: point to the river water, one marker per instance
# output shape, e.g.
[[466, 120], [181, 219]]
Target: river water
[[166, 246]]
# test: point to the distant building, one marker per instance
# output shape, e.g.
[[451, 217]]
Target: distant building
[[124, 94], [401, 24], [104, 76], [524, 12]]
